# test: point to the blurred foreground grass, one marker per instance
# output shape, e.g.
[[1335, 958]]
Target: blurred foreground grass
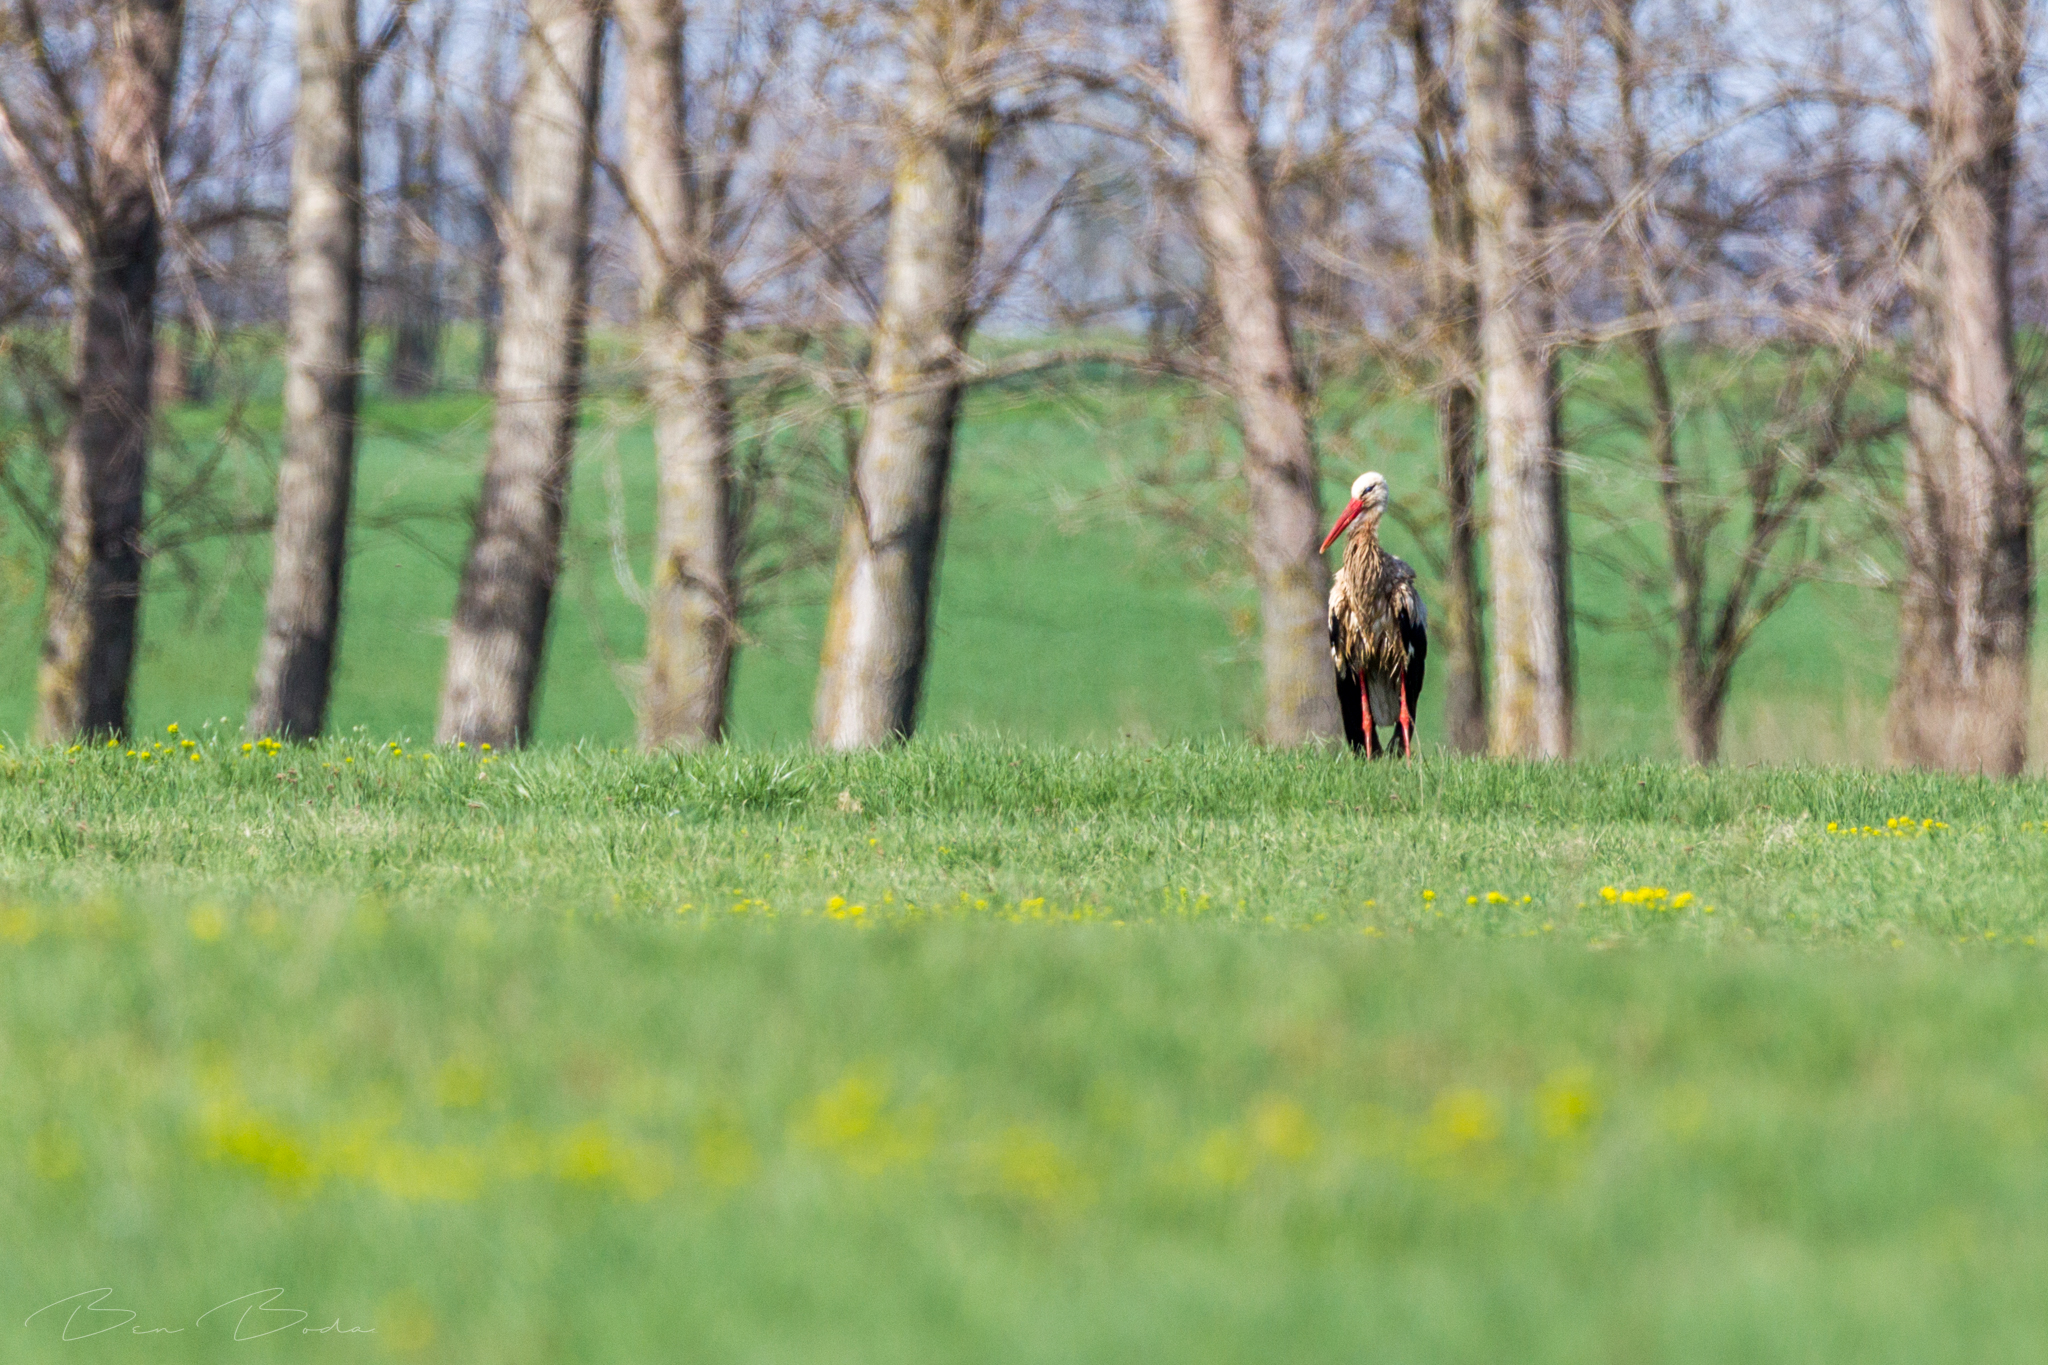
[[1000, 1052]]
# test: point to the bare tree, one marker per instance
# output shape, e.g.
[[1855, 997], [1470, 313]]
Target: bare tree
[[501, 611], [691, 610], [1962, 690], [877, 629], [1280, 461], [416, 281], [1454, 335], [1527, 560], [315, 481], [483, 125], [98, 176]]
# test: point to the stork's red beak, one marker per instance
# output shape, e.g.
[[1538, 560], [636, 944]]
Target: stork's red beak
[[1350, 515]]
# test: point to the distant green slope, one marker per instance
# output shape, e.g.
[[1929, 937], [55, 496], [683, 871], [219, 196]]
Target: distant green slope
[[1058, 617]]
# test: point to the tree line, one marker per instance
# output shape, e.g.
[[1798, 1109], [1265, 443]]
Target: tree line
[[1740, 288]]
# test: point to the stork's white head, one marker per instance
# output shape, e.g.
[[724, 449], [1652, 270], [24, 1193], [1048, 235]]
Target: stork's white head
[[1368, 500]]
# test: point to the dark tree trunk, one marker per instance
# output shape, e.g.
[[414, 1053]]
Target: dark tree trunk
[[501, 612], [490, 298], [1454, 305], [302, 617], [415, 359], [1701, 671], [95, 585], [1702, 698]]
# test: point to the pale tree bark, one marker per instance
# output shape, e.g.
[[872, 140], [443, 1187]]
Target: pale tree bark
[[116, 240], [690, 612], [1961, 697], [1532, 663], [878, 628], [1454, 310], [1280, 459], [499, 630], [302, 617]]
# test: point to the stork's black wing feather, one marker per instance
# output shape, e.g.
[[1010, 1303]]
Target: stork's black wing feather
[[1352, 704], [1349, 701], [1415, 635]]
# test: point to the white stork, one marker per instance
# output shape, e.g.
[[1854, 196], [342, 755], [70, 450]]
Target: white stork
[[1379, 629]]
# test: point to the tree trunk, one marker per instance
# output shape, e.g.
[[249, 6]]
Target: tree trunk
[[690, 621], [490, 297], [1532, 663], [302, 617], [1454, 306], [1699, 672], [878, 628], [1701, 699], [177, 377], [1961, 697], [95, 581], [501, 611], [1280, 460], [416, 335]]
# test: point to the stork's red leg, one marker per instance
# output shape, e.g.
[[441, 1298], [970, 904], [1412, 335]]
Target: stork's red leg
[[1407, 721], [1372, 724]]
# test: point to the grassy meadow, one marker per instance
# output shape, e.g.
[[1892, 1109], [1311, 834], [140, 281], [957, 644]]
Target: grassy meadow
[[1001, 1051], [1079, 1029]]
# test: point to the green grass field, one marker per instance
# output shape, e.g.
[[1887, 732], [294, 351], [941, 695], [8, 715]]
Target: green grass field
[[997, 1051]]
